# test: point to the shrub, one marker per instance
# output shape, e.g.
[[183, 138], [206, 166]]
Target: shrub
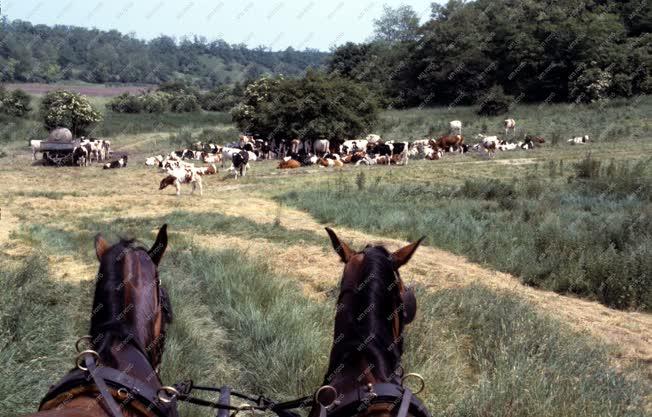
[[67, 109], [157, 102], [15, 103], [183, 103], [125, 103], [495, 103]]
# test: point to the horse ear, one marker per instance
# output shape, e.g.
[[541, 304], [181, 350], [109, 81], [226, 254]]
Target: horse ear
[[409, 301], [340, 247], [157, 250], [403, 255], [101, 246]]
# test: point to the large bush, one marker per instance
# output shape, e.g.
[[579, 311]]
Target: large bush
[[125, 103], [183, 103], [316, 106], [14, 103], [67, 109], [157, 102]]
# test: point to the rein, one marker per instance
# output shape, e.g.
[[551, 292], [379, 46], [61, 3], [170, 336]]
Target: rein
[[352, 403]]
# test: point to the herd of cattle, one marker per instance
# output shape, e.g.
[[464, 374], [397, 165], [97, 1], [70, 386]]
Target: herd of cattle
[[180, 168]]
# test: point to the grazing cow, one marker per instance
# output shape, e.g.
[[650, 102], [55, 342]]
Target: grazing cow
[[382, 149], [450, 143], [36, 146], [321, 146], [510, 126], [120, 163], [289, 164], [182, 176], [93, 149], [455, 127], [239, 162], [579, 140]]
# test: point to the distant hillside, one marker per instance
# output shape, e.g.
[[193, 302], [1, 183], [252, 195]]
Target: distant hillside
[[40, 53]]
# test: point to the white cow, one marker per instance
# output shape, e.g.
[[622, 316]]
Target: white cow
[[36, 146], [510, 126], [455, 127]]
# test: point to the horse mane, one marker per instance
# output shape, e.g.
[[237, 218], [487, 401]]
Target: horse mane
[[109, 309], [365, 317]]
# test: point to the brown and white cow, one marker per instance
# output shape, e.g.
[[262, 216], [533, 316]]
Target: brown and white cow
[[510, 126], [289, 164], [182, 176]]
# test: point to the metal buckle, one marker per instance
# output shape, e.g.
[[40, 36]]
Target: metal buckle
[[122, 393], [167, 394], [417, 376], [326, 388], [79, 359], [88, 339], [243, 408]]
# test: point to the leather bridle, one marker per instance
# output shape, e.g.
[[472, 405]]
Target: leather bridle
[[115, 389]]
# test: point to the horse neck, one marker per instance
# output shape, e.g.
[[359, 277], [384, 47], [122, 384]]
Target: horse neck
[[128, 358], [369, 362]]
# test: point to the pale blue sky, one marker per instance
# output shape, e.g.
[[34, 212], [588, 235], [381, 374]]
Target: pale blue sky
[[275, 24]]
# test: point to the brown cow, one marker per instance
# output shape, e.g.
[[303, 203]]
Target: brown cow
[[450, 143], [289, 164]]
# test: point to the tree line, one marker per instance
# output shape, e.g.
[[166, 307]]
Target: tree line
[[531, 50], [40, 53]]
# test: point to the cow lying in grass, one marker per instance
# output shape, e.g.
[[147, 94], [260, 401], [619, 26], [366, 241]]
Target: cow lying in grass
[[579, 140], [289, 164], [120, 163]]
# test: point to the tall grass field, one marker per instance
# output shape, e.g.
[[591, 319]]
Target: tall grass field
[[533, 286]]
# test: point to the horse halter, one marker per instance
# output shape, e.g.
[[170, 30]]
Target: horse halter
[[116, 389]]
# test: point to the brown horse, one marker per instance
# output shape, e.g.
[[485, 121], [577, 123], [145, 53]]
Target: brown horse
[[364, 374], [117, 376]]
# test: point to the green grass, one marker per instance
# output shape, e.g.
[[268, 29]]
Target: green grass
[[587, 236], [484, 354], [618, 120]]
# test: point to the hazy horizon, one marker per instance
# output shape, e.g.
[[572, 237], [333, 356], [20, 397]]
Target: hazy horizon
[[299, 24]]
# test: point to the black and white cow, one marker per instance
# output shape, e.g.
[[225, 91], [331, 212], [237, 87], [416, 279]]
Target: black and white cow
[[240, 163], [120, 163]]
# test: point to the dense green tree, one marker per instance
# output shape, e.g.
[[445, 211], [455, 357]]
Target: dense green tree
[[313, 107], [71, 110]]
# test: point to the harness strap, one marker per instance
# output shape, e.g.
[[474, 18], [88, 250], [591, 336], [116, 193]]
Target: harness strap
[[405, 403], [225, 399], [112, 407]]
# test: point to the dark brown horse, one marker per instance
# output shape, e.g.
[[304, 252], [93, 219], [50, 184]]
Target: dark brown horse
[[117, 374], [364, 374]]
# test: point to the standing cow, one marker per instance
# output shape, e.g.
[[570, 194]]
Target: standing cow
[[510, 126]]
